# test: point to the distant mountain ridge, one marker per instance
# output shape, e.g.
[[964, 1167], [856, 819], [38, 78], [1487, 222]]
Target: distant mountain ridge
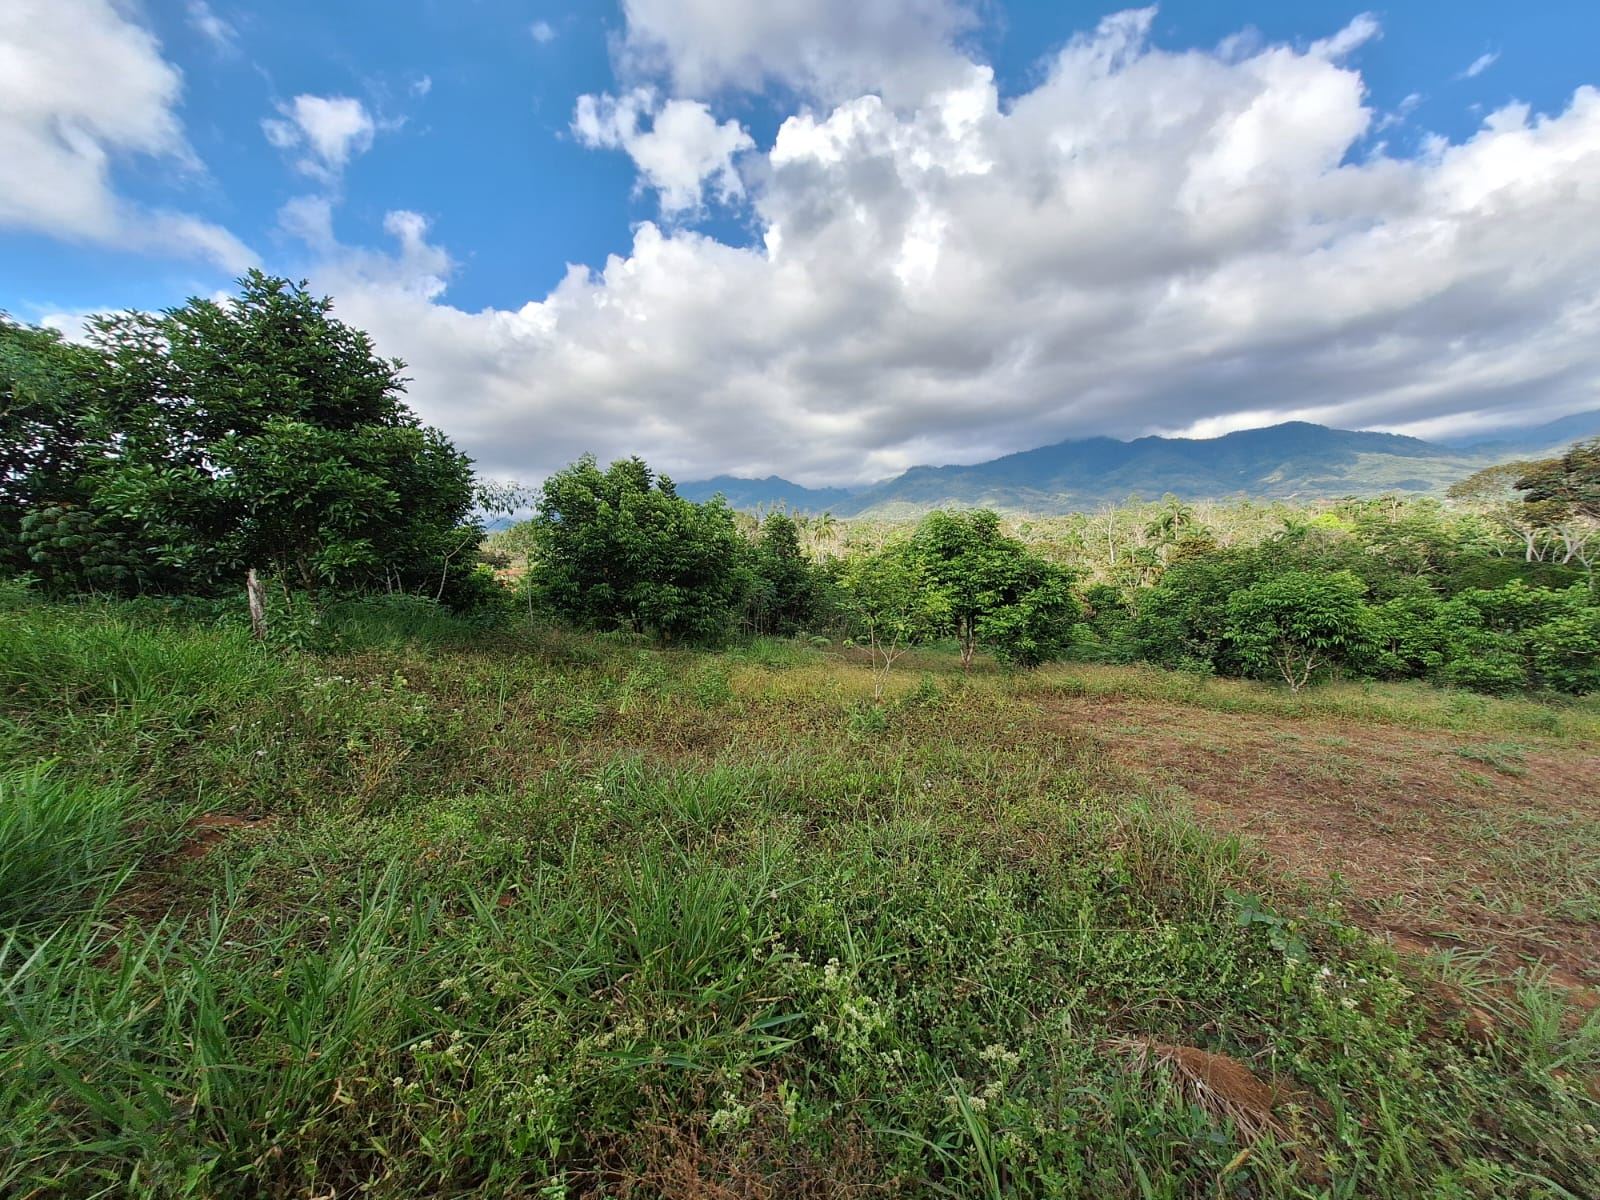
[[1295, 460], [1533, 439], [765, 493]]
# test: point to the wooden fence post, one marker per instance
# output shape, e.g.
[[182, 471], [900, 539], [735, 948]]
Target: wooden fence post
[[258, 604]]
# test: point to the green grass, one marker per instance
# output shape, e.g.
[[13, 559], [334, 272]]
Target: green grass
[[535, 914], [59, 841], [1415, 704]]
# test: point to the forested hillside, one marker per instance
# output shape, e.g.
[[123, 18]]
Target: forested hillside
[[1294, 461]]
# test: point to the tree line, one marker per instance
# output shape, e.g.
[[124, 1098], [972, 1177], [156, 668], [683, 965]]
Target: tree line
[[179, 452], [618, 549], [1386, 588]]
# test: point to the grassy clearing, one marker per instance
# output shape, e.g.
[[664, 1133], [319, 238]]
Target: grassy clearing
[[1419, 705], [511, 912]]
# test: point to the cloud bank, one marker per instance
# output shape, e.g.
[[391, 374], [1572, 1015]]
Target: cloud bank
[[922, 269], [1146, 240], [82, 87]]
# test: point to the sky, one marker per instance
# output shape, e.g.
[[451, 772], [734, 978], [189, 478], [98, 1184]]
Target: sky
[[831, 239]]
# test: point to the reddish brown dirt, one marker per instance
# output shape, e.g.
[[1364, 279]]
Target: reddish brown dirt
[[208, 829], [678, 1158], [1438, 849]]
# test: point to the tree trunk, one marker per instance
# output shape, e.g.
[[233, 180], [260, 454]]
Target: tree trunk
[[257, 596]]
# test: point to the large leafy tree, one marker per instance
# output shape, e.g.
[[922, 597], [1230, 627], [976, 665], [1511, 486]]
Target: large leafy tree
[[783, 597], [45, 434], [620, 549], [1571, 482], [257, 433], [996, 591], [1298, 623], [1566, 490], [1552, 506]]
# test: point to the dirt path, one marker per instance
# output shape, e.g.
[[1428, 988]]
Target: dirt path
[[1442, 839]]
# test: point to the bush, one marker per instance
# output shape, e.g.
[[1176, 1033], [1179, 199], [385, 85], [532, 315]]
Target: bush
[[1407, 639], [1485, 662], [1299, 624], [1182, 618], [1566, 652], [620, 549], [1504, 639]]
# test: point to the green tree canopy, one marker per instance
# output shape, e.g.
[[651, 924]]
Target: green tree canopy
[[783, 596], [260, 432], [44, 430], [620, 549], [995, 590], [1300, 622], [1570, 483], [891, 604]]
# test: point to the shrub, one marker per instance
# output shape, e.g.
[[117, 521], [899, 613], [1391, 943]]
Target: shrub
[[1300, 623], [1407, 639], [620, 549], [1182, 618], [1485, 662], [1516, 636], [1566, 652]]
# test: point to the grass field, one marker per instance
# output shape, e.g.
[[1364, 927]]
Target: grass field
[[454, 910]]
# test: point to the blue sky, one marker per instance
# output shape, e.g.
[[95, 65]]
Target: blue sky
[[465, 118]]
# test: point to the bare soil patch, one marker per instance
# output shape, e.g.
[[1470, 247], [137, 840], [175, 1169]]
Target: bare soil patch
[[1443, 840], [208, 829]]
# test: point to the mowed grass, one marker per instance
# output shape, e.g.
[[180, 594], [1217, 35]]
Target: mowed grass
[[501, 911]]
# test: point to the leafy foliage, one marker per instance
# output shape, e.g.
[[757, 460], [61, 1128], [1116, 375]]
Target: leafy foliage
[[43, 432], [994, 590], [1298, 623], [783, 596], [891, 604], [619, 549], [1571, 482], [183, 447]]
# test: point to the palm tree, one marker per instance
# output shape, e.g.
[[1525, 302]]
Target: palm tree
[[1172, 522]]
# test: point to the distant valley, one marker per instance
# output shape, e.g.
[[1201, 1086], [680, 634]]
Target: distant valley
[[1292, 461]]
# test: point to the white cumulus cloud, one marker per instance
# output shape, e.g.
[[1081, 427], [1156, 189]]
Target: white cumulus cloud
[[832, 49], [1145, 240], [82, 88], [1480, 64], [684, 149], [327, 131]]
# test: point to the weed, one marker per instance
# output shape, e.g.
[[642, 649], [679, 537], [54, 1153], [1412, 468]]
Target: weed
[[1506, 757]]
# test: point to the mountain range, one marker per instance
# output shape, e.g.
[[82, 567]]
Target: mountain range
[[1295, 460]]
